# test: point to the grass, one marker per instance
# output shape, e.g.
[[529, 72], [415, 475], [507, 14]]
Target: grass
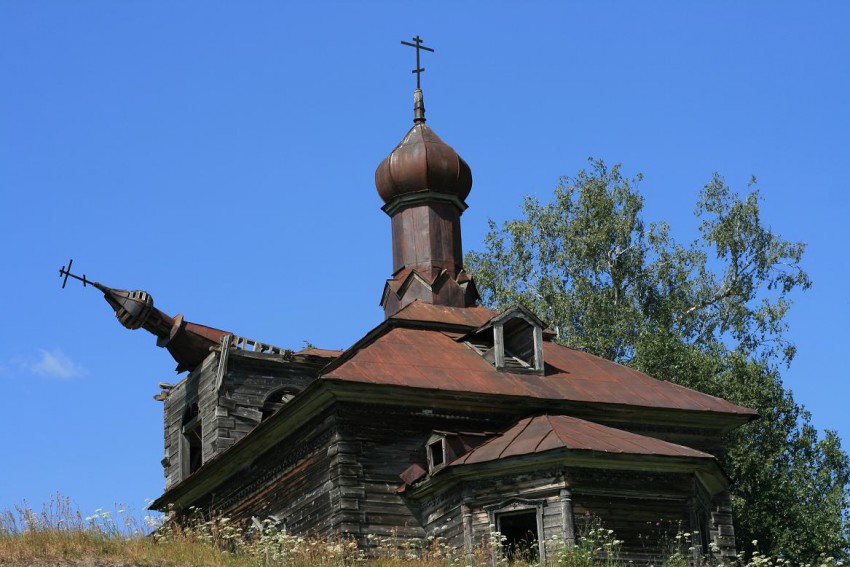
[[60, 536]]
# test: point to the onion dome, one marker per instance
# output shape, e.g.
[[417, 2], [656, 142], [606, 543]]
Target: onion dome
[[132, 308], [422, 162], [188, 343]]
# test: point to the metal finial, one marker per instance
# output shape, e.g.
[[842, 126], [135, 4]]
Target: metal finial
[[418, 107], [66, 272], [418, 45]]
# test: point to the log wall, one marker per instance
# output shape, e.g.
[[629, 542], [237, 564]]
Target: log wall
[[291, 483], [384, 441], [339, 473], [230, 405]]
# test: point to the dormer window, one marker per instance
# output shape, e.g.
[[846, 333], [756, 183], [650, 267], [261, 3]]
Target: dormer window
[[443, 447], [436, 449], [512, 341]]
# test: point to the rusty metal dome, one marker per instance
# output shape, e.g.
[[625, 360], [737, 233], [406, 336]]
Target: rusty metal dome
[[422, 162], [132, 308]]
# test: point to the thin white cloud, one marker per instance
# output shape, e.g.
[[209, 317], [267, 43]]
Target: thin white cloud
[[55, 364]]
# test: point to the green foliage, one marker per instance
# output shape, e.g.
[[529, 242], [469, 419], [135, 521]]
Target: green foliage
[[596, 547], [572, 262], [709, 315]]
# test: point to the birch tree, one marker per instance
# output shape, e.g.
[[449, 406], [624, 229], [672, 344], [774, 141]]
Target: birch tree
[[708, 314]]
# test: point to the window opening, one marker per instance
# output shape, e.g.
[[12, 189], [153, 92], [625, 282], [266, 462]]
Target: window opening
[[192, 440], [436, 454], [519, 535], [277, 400], [519, 341], [195, 448], [511, 341]]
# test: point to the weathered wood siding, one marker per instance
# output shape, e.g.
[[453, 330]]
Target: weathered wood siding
[[292, 481], [645, 510], [720, 525], [540, 489], [384, 441], [194, 389], [441, 516], [250, 379], [339, 472], [229, 408]]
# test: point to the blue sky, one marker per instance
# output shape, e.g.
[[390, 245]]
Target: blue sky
[[220, 155]]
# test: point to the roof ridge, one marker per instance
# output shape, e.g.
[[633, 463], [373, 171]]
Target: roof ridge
[[545, 437], [528, 421]]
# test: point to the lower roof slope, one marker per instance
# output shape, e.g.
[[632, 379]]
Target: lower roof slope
[[543, 433]]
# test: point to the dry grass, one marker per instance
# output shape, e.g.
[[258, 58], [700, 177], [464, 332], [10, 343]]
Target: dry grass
[[60, 536], [64, 549]]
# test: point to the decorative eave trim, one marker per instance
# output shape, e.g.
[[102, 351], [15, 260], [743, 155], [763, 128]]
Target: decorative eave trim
[[423, 197], [400, 287], [708, 472], [403, 285], [614, 414]]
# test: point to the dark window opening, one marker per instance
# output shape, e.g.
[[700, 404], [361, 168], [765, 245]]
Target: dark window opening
[[193, 456], [435, 454], [196, 455], [277, 400], [191, 413], [519, 533], [511, 341], [519, 341]]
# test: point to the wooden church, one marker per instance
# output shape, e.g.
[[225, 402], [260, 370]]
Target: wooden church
[[447, 419]]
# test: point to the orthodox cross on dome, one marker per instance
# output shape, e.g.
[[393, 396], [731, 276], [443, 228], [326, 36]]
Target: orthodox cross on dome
[[418, 45]]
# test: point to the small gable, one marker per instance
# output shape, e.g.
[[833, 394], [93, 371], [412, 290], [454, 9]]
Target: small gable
[[512, 341]]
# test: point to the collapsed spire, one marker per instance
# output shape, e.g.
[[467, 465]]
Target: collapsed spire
[[188, 343]]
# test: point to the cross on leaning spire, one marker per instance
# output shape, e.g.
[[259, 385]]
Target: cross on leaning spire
[[418, 45], [63, 271]]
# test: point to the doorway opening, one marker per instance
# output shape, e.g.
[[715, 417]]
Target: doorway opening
[[520, 538]]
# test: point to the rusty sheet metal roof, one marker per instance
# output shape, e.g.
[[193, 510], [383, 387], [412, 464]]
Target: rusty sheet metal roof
[[543, 433], [429, 359], [472, 317]]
